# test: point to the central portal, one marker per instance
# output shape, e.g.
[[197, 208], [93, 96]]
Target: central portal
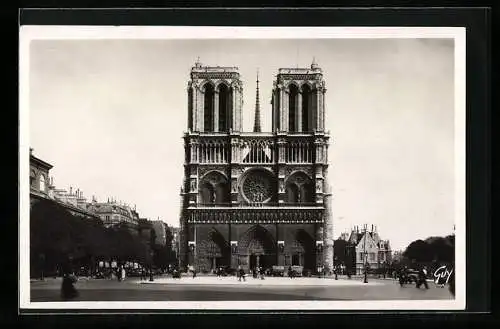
[[257, 249]]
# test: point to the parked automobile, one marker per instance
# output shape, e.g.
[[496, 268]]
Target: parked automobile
[[134, 272], [298, 270], [408, 277], [176, 274], [99, 275], [277, 270]]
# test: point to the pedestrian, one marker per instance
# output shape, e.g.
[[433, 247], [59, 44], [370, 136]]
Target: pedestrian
[[261, 270], [290, 272], [422, 278], [451, 283], [68, 290], [123, 273], [193, 270], [242, 274], [404, 277]]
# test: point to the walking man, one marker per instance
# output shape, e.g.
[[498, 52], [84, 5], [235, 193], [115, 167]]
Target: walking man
[[241, 273], [422, 278]]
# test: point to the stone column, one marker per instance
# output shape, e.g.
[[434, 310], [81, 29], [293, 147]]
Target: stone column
[[285, 110], [239, 109], [281, 94], [298, 113], [317, 109], [322, 107], [233, 109], [328, 224], [216, 110]]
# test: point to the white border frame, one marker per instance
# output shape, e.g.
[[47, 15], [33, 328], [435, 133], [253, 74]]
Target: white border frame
[[29, 33]]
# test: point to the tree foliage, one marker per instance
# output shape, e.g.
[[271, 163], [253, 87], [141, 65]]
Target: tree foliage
[[164, 255], [433, 249], [58, 237]]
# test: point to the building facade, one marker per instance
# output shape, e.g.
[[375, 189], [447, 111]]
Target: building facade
[[370, 249], [42, 186], [113, 213], [256, 198], [40, 182], [159, 228]]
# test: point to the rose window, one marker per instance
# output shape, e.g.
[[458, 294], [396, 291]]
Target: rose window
[[257, 187]]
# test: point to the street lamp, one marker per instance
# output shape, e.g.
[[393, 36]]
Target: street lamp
[[151, 266], [42, 266], [365, 258], [335, 268]]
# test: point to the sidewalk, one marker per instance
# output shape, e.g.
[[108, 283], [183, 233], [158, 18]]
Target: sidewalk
[[268, 281]]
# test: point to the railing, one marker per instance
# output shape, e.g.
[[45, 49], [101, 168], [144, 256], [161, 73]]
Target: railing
[[256, 205]]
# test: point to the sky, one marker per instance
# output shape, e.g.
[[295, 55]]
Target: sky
[[109, 115]]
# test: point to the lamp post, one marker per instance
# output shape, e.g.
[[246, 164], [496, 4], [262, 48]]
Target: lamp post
[[42, 266], [365, 257], [335, 268], [151, 266]]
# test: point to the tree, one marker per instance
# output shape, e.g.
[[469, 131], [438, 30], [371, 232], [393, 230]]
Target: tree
[[418, 251], [56, 236], [340, 250], [434, 250]]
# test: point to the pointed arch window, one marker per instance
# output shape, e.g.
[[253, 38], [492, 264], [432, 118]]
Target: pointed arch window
[[306, 108], [209, 108], [224, 107]]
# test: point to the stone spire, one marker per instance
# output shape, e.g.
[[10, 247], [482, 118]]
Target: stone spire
[[256, 127], [314, 65], [197, 63]]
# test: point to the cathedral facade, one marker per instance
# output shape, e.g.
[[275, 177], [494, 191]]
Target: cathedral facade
[[253, 198]]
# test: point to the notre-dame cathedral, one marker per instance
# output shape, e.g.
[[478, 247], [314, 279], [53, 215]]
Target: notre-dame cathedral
[[253, 198]]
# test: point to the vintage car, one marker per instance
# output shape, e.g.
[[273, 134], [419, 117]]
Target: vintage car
[[277, 271]]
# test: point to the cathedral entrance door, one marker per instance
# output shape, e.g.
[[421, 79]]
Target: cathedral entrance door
[[257, 248], [254, 261]]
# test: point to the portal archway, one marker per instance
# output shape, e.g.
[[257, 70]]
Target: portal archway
[[257, 248], [303, 252], [214, 251]]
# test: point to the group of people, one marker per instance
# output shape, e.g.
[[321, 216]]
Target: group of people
[[258, 272]]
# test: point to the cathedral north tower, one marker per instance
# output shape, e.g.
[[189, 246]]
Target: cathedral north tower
[[214, 99]]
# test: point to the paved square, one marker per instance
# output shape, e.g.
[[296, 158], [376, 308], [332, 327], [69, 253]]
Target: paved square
[[229, 288]]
